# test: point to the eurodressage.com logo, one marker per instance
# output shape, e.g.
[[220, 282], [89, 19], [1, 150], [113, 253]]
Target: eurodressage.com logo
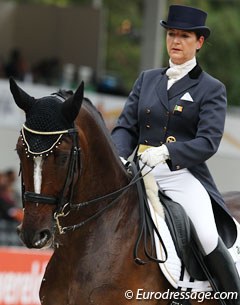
[[141, 294]]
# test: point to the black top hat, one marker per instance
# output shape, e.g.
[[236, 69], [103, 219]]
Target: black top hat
[[186, 18]]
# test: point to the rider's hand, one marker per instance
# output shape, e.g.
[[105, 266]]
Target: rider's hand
[[155, 155]]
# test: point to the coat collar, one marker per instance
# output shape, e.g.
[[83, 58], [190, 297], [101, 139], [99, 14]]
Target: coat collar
[[195, 72]]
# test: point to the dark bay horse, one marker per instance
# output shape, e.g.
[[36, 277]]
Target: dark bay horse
[[68, 165]]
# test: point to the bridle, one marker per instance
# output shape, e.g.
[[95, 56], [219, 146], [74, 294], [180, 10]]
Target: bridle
[[74, 166], [65, 205]]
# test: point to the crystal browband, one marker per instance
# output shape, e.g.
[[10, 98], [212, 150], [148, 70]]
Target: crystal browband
[[44, 133], [48, 133]]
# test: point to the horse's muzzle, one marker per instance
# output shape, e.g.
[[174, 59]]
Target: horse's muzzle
[[38, 240]]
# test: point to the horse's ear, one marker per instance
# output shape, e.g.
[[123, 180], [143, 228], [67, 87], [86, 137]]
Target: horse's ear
[[71, 106], [22, 99]]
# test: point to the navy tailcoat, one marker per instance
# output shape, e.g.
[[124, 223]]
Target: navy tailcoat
[[192, 111]]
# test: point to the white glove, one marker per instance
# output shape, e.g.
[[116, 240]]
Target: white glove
[[155, 155]]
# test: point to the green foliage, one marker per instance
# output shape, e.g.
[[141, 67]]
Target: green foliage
[[123, 45], [54, 2], [220, 56]]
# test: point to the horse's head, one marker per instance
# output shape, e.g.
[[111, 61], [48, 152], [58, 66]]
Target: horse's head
[[48, 149]]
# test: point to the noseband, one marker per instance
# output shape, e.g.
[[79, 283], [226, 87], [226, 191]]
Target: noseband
[[59, 201]]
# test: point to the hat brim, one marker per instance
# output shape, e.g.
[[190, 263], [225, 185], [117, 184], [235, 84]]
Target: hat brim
[[204, 30]]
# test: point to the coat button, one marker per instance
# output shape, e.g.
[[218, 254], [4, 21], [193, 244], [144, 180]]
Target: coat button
[[148, 126], [148, 110], [170, 139], [178, 167], [146, 141], [165, 128]]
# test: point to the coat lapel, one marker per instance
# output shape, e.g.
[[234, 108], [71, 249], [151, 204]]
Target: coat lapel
[[188, 81], [181, 86], [161, 89]]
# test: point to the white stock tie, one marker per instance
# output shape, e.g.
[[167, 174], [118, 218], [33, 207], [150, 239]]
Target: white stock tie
[[176, 72]]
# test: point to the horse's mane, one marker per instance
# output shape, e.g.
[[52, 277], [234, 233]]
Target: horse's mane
[[97, 116]]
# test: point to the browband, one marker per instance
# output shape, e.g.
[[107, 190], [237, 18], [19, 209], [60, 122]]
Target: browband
[[49, 133], [44, 133]]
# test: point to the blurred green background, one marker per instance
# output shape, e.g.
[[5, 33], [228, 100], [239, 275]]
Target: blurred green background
[[124, 21]]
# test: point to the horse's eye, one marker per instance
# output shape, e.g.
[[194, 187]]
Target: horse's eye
[[61, 158]]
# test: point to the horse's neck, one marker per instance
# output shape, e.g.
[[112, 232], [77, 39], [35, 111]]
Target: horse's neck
[[105, 233], [102, 173], [102, 170], [117, 222]]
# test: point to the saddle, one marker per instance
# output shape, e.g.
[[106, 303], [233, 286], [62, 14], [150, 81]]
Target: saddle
[[185, 238], [175, 237]]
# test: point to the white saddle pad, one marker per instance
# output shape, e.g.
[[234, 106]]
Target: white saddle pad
[[173, 265]]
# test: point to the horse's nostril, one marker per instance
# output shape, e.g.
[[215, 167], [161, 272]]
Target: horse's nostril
[[45, 234], [42, 238]]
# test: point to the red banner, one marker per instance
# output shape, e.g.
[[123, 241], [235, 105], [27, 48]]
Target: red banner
[[21, 273]]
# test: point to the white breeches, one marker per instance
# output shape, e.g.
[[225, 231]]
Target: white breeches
[[181, 186]]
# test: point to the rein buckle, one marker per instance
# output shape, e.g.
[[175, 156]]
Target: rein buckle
[[57, 215]]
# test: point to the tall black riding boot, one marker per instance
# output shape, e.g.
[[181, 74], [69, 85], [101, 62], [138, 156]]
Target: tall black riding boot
[[224, 271]]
